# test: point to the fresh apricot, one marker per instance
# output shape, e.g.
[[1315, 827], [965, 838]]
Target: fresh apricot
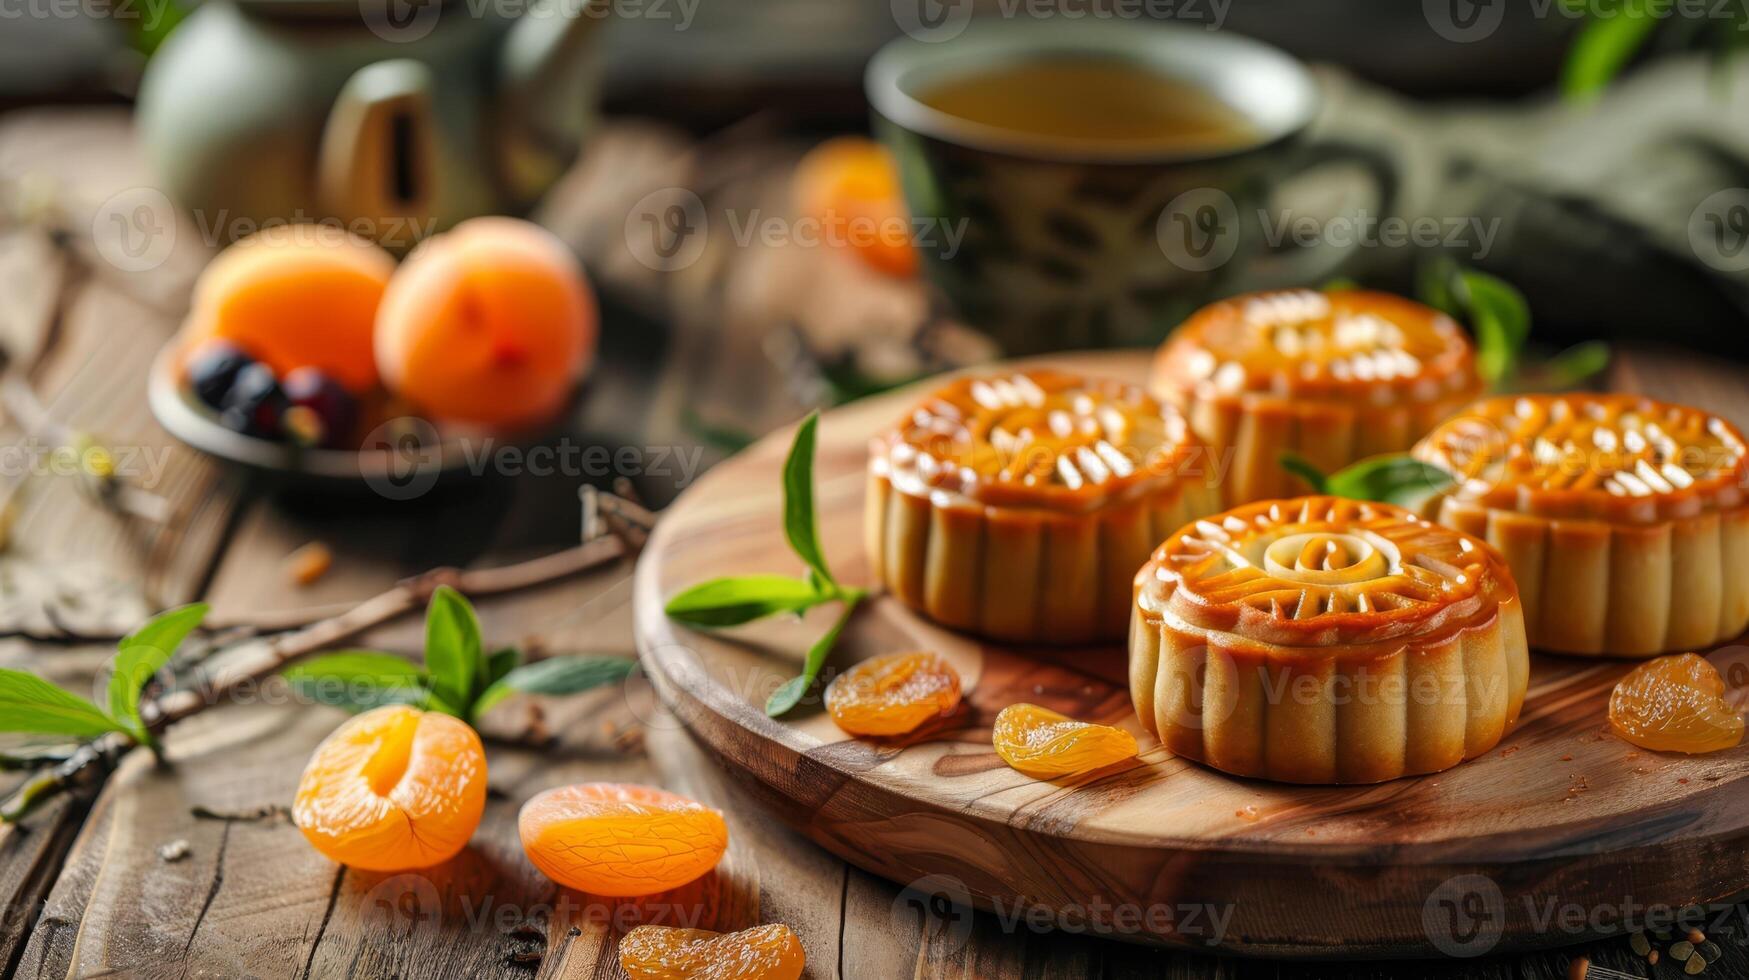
[[850, 186], [393, 789], [491, 324], [619, 839], [1675, 704], [770, 952], [296, 296], [1045, 744], [893, 694]]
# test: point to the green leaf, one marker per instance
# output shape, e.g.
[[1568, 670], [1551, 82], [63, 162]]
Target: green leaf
[[790, 694], [1604, 47], [140, 655], [1302, 467], [30, 704], [150, 30], [556, 676], [1436, 285], [453, 656], [1500, 317], [799, 521], [1577, 364], [1339, 284], [1395, 478], [358, 680], [733, 601], [501, 662]]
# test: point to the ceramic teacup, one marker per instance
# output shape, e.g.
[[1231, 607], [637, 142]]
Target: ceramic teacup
[[1051, 248]]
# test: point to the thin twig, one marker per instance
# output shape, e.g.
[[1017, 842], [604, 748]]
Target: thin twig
[[484, 581], [276, 652]]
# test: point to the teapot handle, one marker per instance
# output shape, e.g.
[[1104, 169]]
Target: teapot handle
[[378, 155]]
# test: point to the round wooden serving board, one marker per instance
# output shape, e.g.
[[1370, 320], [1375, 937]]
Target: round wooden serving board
[[1555, 835]]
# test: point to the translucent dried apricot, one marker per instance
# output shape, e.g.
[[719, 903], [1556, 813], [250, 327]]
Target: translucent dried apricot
[[1043, 743], [661, 953], [1675, 704], [894, 694], [393, 789], [620, 839]]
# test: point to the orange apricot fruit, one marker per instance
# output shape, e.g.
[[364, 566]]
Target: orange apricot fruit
[[393, 789], [1045, 744], [769, 952], [1675, 704], [619, 839], [489, 324], [296, 296], [850, 185], [893, 694]]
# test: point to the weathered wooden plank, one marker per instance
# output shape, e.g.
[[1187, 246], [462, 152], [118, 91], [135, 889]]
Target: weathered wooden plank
[[94, 336]]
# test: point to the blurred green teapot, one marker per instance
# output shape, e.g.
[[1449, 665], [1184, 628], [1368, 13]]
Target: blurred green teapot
[[393, 118]]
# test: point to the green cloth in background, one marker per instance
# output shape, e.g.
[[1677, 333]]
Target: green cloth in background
[[1623, 217]]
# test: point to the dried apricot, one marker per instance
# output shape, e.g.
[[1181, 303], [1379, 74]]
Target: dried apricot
[[894, 694], [1675, 704], [1043, 743], [490, 324], [850, 186], [662, 953], [296, 296], [620, 839], [393, 789]]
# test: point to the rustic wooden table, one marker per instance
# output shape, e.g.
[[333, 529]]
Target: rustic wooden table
[[92, 883]]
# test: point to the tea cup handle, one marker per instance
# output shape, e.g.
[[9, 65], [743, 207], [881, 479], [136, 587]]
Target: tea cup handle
[[1291, 261]]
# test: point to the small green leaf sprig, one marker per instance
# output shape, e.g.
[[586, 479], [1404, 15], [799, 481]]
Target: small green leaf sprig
[[1499, 317], [458, 677], [1394, 478], [742, 599], [33, 706], [1614, 33]]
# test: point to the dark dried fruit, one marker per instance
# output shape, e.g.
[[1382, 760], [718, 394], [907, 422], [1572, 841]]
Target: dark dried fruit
[[213, 368], [321, 412], [254, 404]]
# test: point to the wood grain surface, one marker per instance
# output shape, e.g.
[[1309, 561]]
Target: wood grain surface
[[1562, 808], [83, 888]]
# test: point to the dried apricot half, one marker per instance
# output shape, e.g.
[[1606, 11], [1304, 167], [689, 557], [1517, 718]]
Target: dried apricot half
[[770, 952], [1044, 744], [1675, 704], [894, 694], [393, 789], [620, 839]]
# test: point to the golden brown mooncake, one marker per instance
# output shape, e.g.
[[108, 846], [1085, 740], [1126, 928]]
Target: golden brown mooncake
[[1019, 506], [1325, 640], [1624, 519], [1334, 376]]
